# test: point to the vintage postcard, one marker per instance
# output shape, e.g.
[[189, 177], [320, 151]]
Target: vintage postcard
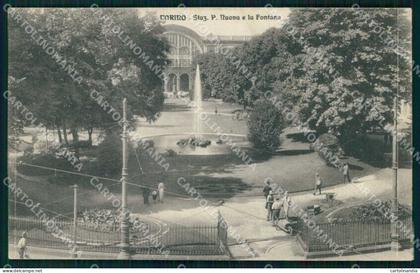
[[219, 134]]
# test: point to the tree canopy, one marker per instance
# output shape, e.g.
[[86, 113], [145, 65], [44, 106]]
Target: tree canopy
[[349, 74], [338, 69], [90, 51]]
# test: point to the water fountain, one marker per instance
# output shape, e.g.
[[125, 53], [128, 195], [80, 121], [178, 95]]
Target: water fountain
[[196, 140], [199, 139]]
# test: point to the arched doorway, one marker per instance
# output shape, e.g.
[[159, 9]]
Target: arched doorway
[[184, 82], [171, 84]]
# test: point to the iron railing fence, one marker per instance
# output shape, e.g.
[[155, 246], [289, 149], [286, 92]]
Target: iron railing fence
[[154, 239], [349, 234]]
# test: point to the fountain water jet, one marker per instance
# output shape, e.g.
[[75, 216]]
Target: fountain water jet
[[198, 97], [200, 142]]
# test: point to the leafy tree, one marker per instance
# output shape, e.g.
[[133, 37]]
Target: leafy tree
[[215, 80], [222, 75], [265, 125], [348, 75], [336, 68], [266, 59], [82, 41], [15, 121]]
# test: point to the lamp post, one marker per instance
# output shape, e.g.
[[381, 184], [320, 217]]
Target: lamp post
[[125, 243], [395, 244], [74, 250]]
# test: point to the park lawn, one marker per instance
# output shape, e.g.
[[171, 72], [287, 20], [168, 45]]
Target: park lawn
[[179, 122], [223, 176], [213, 176]]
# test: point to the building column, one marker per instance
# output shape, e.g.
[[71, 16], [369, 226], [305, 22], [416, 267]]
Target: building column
[[173, 83], [165, 82], [178, 83], [190, 82]]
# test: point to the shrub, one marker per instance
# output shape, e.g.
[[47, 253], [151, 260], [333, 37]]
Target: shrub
[[146, 143], [405, 156], [47, 160], [169, 153], [82, 144], [265, 125], [328, 147], [40, 146], [367, 148], [109, 154]]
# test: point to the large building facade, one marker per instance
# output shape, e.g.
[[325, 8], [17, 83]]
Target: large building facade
[[185, 46]]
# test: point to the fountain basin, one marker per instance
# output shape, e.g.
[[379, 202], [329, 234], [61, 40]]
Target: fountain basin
[[195, 141], [215, 144]]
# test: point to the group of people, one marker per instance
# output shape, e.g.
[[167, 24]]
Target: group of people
[[277, 207], [157, 195]]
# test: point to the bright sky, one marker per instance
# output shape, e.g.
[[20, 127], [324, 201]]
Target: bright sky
[[219, 26]]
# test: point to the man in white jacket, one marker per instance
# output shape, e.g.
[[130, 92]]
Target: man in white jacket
[[161, 190], [286, 204]]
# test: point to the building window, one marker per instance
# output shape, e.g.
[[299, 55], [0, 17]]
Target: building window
[[184, 51]]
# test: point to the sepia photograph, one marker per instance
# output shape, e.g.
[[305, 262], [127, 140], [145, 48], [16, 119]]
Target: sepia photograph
[[210, 134]]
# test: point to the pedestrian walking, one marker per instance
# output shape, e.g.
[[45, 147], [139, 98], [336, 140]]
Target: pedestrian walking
[[318, 183], [267, 188], [215, 110], [146, 193], [346, 174], [161, 190], [22, 246], [276, 210], [154, 196], [268, 205], [74, 252]]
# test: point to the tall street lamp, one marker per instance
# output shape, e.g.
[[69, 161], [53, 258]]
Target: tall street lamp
[[125, 243], [395, 243], [74, 251]]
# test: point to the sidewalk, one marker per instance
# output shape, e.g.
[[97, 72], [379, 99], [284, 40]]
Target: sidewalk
[[249, 232], [246, 216], [36, 253], [272, 244]]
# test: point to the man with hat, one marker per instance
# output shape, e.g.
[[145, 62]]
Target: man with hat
[[21, 246]]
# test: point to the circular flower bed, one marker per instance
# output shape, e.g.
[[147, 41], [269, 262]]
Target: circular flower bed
[[107, 219], [372, 212]]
